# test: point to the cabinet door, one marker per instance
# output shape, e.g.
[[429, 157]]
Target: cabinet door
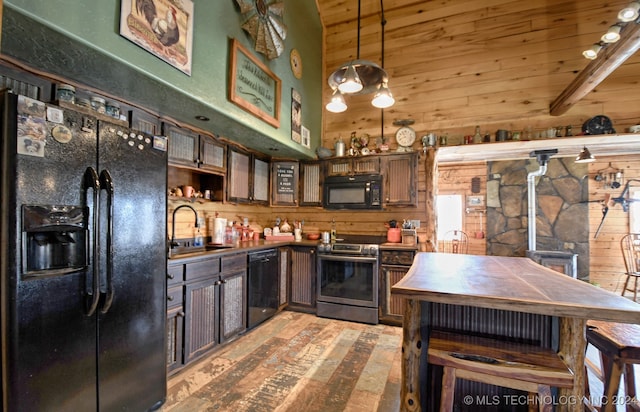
[[213, 154], [391, 307], [400, 187], [183, 146], [239, 167], [284, 190], [233, 298], [311, 184], [175, 327], [283, 276], [260, 182], [201, 317], [338, 167], [303, 277]]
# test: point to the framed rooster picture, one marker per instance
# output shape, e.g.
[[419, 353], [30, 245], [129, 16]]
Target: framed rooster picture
[[162, 27]]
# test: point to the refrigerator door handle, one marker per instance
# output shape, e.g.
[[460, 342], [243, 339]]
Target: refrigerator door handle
[[106, 183], [91, 181]]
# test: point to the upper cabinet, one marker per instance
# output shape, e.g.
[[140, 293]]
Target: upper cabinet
[[400, 185], [284, 183], [311, 183], [341, 166], [248, 177], [187, 148]]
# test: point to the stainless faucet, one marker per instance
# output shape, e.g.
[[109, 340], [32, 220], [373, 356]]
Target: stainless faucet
[[173, 224]]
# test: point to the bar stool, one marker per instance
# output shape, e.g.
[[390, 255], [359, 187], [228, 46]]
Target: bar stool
[[512, 365], [619, 346]]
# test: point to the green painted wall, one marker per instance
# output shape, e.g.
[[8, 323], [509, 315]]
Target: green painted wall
[[95, 24]]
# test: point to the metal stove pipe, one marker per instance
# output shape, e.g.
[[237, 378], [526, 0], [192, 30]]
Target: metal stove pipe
[[542, 156]]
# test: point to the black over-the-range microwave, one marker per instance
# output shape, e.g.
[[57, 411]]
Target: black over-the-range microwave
[[353, 192]]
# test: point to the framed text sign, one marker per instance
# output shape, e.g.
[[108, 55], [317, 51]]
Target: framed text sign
[[252, 86]]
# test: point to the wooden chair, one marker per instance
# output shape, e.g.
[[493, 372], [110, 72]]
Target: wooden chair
[[455, 241], [512, 365], [630, 245], [619, 346]]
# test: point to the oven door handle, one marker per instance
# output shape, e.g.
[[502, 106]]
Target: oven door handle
[[349, 258]]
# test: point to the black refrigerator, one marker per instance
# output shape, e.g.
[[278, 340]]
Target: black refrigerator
[[83, 261]]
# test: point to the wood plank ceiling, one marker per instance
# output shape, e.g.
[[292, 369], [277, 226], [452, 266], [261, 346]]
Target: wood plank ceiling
[[454, 64]]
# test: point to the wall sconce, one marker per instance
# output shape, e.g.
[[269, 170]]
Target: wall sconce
[[361, 77], [585, 156], [592, 52], [630, 13], [612, 35]]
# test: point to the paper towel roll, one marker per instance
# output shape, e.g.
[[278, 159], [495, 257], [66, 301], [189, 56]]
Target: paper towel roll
[[219, 225]]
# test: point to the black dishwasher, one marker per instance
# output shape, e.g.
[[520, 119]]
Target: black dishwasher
[[262, 286]]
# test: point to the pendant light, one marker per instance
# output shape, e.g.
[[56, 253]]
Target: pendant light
[[585, 156], [360, 77]]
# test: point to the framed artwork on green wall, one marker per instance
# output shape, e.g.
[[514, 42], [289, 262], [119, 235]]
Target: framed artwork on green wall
[[252, 86], [164, 28]]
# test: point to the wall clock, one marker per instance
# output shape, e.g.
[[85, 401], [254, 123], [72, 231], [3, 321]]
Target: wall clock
[[598, 125], [263, 22], [296, 63]]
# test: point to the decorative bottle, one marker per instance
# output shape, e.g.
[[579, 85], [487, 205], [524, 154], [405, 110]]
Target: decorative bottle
[[477, 137]]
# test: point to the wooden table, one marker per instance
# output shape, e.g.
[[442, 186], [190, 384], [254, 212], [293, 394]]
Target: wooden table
[[506, 283]]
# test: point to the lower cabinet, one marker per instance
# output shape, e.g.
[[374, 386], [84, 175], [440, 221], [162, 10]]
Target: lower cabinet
[[302, 293], [214, 292], [283, 276], [394, 265]]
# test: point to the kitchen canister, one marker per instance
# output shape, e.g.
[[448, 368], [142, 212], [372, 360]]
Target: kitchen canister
[[394, 235], [219, 228], [112, 109], [66, 93], [98, 104], [326, 237]]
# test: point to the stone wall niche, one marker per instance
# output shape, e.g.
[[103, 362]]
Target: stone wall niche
[[562, 215]]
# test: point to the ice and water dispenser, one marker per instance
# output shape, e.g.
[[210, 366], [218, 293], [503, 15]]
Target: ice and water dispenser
[[54, 239]]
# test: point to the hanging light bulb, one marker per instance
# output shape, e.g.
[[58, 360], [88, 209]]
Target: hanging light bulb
[[592, 52], [630, 13], [612, 35], [351, 82], [383, 97], [337, 103]]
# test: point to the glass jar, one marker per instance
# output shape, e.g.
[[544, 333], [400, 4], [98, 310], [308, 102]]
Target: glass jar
[[82, 102], [98, 104], [66, 93], [113, 109]]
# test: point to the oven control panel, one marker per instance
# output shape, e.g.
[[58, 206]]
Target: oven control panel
[[348, 249]]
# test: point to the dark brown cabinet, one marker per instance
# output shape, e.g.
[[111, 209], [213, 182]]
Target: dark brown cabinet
[[400, 173], [341, 166], [303, 278], [206, 305], [188, 149], [284, 183], [248, 177], [394, 265], [311, 180]]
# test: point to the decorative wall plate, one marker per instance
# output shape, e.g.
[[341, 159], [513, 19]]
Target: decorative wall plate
[[296, 63], [263, 22]]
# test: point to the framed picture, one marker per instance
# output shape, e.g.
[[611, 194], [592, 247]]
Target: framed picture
[[164, 28], [252, 86], [306, 137], [296, 116]]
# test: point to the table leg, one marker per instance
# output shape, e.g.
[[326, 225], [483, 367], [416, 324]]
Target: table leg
[[572, 347], [411, 353]]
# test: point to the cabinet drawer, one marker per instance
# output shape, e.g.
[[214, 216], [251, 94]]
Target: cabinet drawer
[[397, 257], [202, 269], [174, 297], [234, 262], [175, 274]]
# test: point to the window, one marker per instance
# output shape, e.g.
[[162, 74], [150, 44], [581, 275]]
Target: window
[[449, 209]]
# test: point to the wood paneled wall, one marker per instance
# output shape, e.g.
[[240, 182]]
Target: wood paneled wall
[[607, 266], [456, 64]]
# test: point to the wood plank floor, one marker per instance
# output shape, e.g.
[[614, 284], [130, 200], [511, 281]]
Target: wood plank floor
[[300, 362], [294, 362]]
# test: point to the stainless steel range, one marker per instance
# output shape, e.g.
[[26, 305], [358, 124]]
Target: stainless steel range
[[348, 281]]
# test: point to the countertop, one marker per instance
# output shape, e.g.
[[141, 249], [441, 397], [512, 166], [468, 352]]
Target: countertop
[[510, 283], [249, 246]]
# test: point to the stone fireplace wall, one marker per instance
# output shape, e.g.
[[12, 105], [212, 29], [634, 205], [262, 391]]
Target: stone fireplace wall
[[562, 216]]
